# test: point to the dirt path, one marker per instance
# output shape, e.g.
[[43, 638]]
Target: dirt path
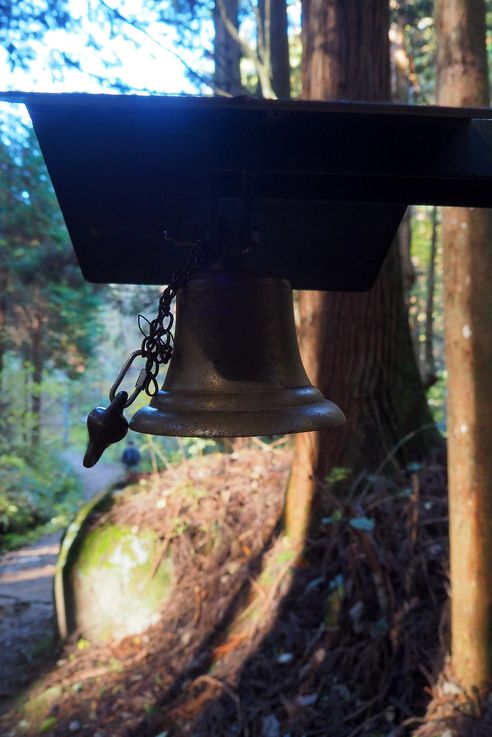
[[26, 586], [93, 479]]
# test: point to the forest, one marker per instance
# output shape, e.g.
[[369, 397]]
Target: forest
[[332, 583]]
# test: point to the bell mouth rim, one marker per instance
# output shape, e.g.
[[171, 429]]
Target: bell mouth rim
[[248, 399], [179, 414]]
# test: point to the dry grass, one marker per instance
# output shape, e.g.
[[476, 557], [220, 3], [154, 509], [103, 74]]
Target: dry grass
[[347, 639]]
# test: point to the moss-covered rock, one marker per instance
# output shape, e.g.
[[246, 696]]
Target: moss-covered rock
[[107, 583]]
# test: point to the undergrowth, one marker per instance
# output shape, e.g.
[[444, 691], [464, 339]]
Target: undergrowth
[[36, 495]]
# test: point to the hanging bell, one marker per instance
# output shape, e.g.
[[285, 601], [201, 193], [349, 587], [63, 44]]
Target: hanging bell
[[236, 368]]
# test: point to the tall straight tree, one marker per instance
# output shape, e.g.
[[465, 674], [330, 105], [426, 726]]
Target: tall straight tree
[[227, 53], [356, 347], [273, 34], [467, 254], [269, 57]]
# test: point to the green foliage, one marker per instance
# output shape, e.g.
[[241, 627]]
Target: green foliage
[[436, 396], [488, 34], [48, 724], [336, 475], [44, 294], [30, 40], [416, 18], [33, 492], [22, 23], [159, 452], [198, 446], [49, 317], [421, 253]]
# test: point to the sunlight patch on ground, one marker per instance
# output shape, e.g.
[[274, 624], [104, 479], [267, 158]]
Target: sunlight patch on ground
[[32, 553], [27, 575]]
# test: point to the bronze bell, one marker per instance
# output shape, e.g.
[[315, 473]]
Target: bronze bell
[[236, 368]]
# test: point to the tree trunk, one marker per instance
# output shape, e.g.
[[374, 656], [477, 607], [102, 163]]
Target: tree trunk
[[279, 46], [227, 55], [467, 257], [3, 325], [399, 93], [346, 50], [429, 375], [37, 377], [404, 237], [356, 347], [280, 49], [26, 426]]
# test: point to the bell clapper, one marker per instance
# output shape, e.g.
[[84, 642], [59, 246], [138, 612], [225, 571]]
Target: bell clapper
[[107, 426]]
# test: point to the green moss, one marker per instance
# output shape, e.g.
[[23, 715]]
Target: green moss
[[36, 707], [75, 528], [98, 548], [70, 544], [110, 587], [47, 725], [275, 564], [117, 548]]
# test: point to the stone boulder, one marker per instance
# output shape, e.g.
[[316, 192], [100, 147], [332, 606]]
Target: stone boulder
[[110, 581]]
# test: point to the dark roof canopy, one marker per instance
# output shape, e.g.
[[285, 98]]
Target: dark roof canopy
[[310, 191]]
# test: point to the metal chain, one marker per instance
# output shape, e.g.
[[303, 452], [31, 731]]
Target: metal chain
[[157, 343]]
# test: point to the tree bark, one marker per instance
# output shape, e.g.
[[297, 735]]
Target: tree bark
[[356, 347], [227, 54], [467, 257], [3, 324], [404, 237], [279, 46], [37, 377], [399, 92], [346, 50], [428, 370]]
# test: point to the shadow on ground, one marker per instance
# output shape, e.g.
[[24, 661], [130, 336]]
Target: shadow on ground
[[257, 641]]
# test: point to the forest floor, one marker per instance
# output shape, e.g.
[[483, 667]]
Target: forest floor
[[346, 639], [26, 591]]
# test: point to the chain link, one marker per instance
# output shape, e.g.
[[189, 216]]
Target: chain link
[[157, 344]]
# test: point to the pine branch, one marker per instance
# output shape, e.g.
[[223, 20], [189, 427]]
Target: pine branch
[[193, 73], [263, 71]]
